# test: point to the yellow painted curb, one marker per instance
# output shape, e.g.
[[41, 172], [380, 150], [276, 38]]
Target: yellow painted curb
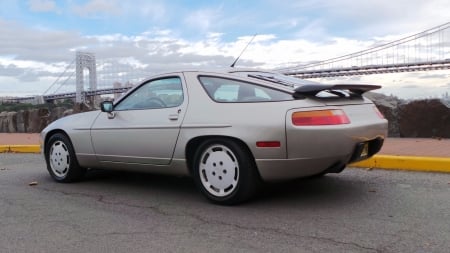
[[414, 163], [4, 149], [20, 148]]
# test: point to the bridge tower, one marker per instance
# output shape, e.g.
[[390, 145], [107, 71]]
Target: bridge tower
[[84, 60]]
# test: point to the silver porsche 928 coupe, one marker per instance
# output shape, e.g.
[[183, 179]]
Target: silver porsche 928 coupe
[[230, 130]]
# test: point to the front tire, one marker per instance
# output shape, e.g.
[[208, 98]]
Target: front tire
[[61, 161], [225, 171]]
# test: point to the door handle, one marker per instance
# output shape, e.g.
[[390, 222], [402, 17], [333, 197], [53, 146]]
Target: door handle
[[173, 116]]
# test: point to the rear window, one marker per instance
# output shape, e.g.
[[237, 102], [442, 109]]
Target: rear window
[[233, 91]]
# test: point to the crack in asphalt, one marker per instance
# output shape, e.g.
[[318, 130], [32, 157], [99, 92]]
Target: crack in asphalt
[[159, 210], [280, 231], [4, 203], [100, 198], [398, 237], [77, 228]]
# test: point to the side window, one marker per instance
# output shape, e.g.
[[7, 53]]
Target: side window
[[233, 91], [160, 93], [261, 93], [226, 93]]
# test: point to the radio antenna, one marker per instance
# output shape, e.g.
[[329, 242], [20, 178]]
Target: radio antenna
[[232, 65]]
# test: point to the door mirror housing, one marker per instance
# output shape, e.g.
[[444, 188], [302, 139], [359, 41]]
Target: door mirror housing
[[106, 106]]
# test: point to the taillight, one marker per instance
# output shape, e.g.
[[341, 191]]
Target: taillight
[[320, 117], [378, 112]]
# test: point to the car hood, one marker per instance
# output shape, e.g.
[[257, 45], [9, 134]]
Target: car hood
[[75, 121]]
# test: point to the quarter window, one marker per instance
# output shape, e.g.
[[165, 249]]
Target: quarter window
[[160, 93], [234, 91]]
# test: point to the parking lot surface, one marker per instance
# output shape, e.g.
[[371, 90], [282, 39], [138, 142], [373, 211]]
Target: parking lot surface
[[356, 211]]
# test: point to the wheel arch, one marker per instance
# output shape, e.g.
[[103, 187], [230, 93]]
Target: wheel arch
[[50, 134], [192, 145]]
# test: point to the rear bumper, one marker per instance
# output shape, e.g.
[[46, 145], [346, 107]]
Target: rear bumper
[[284, 169]]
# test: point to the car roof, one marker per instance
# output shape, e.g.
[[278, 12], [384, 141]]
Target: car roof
[[277, 80]]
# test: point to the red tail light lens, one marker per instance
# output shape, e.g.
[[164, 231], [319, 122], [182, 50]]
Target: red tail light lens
[[318, 118]]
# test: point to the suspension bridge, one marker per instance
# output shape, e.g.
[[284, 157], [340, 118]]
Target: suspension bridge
[[425, 51]]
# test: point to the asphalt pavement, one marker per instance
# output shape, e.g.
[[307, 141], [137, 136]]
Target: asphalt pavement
[[359, 210]]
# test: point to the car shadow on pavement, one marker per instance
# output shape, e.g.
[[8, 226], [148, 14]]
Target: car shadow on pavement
[[330, 189], [142, 182]]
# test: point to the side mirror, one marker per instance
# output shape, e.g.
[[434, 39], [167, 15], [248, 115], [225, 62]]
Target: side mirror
[[106, 106]]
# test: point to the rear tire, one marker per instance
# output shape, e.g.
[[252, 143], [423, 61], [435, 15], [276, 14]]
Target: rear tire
[[224, 171], [61, 161]]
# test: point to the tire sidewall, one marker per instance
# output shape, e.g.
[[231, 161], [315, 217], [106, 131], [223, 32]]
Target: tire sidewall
[[245, 185], [75, 171]]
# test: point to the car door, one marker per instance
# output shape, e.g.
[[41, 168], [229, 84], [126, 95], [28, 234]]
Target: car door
[[144, 126]]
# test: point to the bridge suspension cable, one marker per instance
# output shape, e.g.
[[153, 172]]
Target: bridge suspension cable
[[59, 77], [65, 82]]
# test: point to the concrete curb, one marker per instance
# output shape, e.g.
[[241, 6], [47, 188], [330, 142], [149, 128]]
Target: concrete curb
[[20, 148], [390, 162], [412, 163]]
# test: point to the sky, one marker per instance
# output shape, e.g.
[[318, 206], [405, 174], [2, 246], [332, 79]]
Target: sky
[[39, 38]]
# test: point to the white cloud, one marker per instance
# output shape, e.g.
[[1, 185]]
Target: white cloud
[[149, 10], [95, 8], [364, 18], [42, 6], [173, 36], [203, 19], [25, 43], [28, 59]]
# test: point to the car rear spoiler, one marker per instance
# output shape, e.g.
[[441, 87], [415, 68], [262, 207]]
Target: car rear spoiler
[[313, 89]]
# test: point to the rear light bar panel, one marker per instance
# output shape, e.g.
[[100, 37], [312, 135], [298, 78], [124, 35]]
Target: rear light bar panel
[[320, 118]]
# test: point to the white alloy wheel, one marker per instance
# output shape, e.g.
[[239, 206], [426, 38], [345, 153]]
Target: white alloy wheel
[[59, 158], [219, 170]]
